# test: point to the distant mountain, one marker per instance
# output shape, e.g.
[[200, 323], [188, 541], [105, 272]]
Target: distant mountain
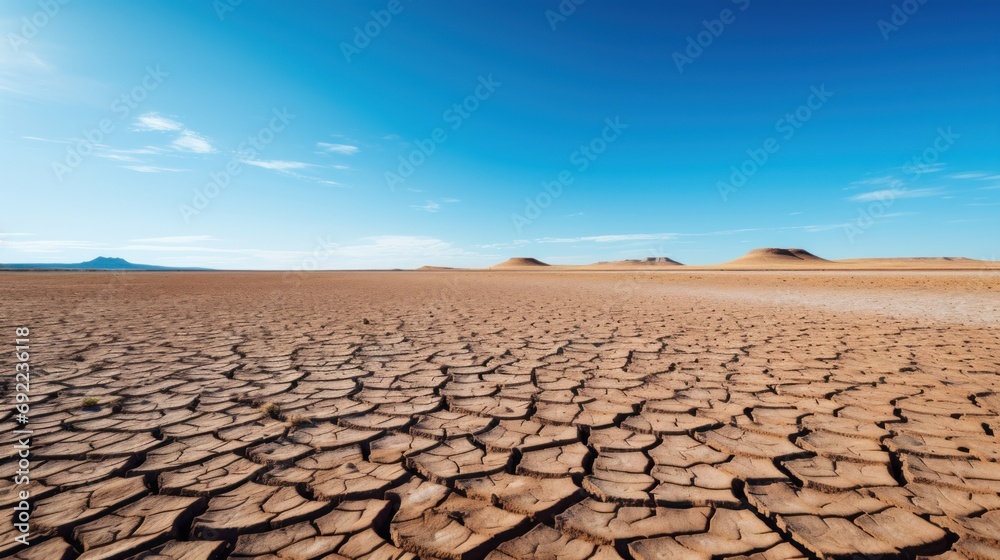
[[100, 263]]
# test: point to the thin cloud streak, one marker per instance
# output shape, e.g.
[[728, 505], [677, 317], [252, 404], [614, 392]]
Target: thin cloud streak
[[344, 149], [891, 194]]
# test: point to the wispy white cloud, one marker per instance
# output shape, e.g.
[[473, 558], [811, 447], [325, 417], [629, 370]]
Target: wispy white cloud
[[277, 164], [129, 156], [291, 169], [53, 140], [21, 57], [26, 75], [369, 252], [976, 175], [191, 141], [512, 245], [681, 238], [872, 181], [393, 249], [923, 168], [49, 245], [897, 193], [168, 247], [610, 238], [896, 177], [118, 157], [429, 206], [815, 228], [152, 169], [665, 236], [156, 121], [175, 239], [345, 149], [434, 205], [630, 237], [186, 140]]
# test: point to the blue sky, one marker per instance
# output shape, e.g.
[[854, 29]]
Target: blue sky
[[397, 133]]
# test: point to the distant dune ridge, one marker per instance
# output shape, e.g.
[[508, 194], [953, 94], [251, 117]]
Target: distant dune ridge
[[634, 264], [777, 256], [771, 258], [520, 262]]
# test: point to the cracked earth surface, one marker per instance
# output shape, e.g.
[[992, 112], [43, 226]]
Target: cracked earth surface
[[500, 416]]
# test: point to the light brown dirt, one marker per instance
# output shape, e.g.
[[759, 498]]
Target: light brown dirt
[[508, 415]]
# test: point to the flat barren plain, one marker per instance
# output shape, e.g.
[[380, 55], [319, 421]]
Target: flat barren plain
[[709, 415]]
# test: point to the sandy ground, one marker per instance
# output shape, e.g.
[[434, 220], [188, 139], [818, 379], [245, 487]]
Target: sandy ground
[[507, 415]]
